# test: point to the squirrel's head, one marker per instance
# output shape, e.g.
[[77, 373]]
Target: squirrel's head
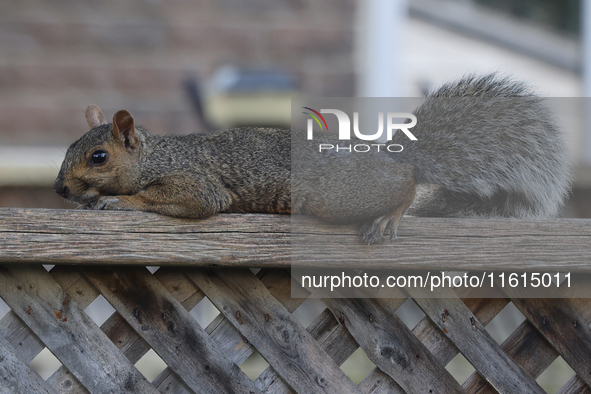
[[105, 161]]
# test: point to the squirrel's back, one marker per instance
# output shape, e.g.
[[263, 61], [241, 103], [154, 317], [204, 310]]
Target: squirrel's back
[[487, 146]]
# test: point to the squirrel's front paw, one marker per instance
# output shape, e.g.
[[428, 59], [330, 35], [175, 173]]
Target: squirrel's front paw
[[110, 203]]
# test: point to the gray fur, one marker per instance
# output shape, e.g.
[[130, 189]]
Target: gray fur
[[491, 147]]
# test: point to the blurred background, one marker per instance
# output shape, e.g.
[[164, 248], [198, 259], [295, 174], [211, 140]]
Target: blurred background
[[188, 66]]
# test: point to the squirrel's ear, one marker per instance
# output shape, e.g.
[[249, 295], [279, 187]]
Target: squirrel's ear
[[94, 116], [124, 129]]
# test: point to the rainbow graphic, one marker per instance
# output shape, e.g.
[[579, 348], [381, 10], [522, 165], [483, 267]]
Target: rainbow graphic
[[316, 118]]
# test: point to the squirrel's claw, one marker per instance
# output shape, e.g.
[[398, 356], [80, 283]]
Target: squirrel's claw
[[106, 202], [372, 232], [393, 234]]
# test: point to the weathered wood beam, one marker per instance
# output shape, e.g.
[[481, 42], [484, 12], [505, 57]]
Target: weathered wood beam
[[258, 240]]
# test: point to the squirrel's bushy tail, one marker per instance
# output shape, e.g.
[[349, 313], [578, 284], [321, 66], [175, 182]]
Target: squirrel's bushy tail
[[487, 146]]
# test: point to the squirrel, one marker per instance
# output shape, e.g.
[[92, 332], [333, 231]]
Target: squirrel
[[486, 146]]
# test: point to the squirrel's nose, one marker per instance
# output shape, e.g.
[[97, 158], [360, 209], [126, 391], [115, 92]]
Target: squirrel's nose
[[61, 190]]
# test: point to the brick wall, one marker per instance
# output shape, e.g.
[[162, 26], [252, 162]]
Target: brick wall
[[58, 56]]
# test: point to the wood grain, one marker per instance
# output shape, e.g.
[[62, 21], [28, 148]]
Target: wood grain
[[275, 333], [132, 345], [564, 328], [18, 377], [528, 348], [170, 330], [392, 347], [230, 340], [68, 332], [29, 345], [460, 325], [259, 240], [442, 348]]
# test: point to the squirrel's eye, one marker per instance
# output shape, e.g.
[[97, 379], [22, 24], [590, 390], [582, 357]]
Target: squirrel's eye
[[98, 157]]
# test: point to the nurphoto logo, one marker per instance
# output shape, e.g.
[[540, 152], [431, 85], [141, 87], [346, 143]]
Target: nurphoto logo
[[344, 130]]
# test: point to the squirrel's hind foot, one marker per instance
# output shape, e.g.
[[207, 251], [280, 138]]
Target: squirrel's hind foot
[[372, 232]]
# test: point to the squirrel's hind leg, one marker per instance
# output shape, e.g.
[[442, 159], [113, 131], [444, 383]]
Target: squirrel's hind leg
[[373, 231]]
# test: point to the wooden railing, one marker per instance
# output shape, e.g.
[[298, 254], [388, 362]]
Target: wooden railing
[[105, 253]]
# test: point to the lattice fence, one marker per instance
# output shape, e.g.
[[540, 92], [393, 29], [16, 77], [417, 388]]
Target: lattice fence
[[256, 316], [152, 313]]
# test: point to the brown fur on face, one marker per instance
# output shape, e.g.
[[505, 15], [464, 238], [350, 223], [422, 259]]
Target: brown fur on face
[[82, 182]]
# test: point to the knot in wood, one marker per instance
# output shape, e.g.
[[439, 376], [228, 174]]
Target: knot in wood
[[322, 381], [395, 356], [239, 317]]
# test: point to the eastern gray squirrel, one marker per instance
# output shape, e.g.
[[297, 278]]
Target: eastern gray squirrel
[[487, 146]]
